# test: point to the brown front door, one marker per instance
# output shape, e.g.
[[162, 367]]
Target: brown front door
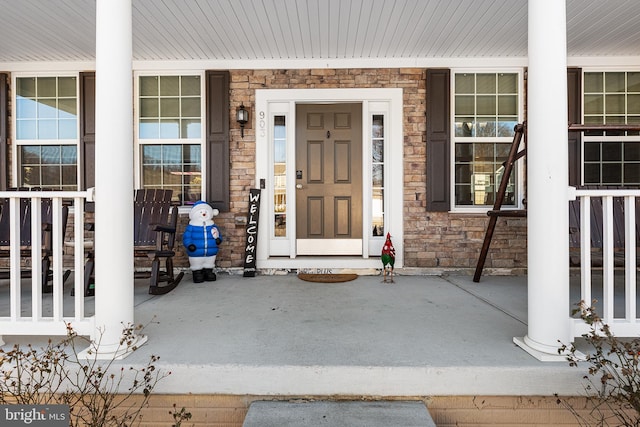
[[329, 179]]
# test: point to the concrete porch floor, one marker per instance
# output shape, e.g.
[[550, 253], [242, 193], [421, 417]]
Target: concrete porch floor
[[278, 335]]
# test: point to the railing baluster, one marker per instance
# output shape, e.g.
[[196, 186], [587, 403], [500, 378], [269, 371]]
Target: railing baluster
[[607, 259], [630, 258], [57, 264], [585, 254], [14, 258], [36, 258], [78, 261]]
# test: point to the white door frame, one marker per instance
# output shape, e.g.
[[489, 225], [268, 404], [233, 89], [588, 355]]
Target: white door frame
[[280, 253]]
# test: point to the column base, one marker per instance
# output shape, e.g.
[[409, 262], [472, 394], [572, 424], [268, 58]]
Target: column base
[[112, 352], [548, 354]]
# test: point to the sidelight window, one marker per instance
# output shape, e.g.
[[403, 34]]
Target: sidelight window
[[280, 176], [377, 175]]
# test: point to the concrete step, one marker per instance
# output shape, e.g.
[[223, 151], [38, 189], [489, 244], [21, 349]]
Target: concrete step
[[338, 414]]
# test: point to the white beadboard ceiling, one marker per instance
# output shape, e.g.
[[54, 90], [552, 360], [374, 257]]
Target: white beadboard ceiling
[[247, 30]]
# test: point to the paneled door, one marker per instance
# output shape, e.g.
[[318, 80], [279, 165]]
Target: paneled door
[[329, 179]]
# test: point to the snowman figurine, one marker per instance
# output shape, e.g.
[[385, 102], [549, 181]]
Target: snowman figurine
[[201, 239]]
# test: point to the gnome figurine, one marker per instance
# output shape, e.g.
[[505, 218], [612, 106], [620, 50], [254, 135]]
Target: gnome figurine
[[388, 258], [201, 239]]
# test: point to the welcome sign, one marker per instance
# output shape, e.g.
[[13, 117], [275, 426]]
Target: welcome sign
[[252, 233], [34, 415]]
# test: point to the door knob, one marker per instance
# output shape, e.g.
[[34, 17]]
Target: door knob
[[299, 186]]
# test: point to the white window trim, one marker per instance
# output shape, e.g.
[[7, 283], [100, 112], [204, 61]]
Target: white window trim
[[519, 170], [137, 157], [285, 100], [15, 175]]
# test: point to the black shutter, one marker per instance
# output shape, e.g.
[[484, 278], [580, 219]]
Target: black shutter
[[4, 130], [438, 140], [87, 148], [574, 90], [217, 162]]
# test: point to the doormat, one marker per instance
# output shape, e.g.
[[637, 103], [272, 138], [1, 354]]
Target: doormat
[[327, 278]]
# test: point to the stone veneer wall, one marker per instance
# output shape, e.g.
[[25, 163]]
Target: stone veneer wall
[[432, 239]]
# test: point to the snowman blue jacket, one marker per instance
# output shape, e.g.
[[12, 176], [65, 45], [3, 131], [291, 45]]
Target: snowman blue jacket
[[202, 238]]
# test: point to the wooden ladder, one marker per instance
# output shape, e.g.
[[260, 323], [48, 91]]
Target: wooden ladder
[[496, 212]]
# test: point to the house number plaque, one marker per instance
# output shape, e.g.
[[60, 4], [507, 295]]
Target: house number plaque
[[262, 125]]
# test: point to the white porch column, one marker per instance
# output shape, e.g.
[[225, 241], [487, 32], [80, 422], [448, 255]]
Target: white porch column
[[547, 181], [113, 174]]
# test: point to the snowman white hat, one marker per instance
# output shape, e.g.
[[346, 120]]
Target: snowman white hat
[[213, 212]]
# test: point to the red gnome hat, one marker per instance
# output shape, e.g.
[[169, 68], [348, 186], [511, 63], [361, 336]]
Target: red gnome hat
[[388, 248], [388, 259]]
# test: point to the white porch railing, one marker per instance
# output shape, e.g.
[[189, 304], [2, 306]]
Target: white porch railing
[[627, 324], [47, 312]]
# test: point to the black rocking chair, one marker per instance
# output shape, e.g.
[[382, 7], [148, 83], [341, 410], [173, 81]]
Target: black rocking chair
[[154, 235]]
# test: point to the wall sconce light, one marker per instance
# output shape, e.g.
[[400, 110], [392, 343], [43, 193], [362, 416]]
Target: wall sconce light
[[242, 117]]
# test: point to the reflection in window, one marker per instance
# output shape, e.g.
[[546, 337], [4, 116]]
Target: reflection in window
[[50, 167], [169, 107], [170, 134], [611, 98], [46, 112], [46, 108], [173, 167], [611, 162], [611, 157], [486, 105], [280, 176], [486, 110], [377, 175], [478, 172]]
